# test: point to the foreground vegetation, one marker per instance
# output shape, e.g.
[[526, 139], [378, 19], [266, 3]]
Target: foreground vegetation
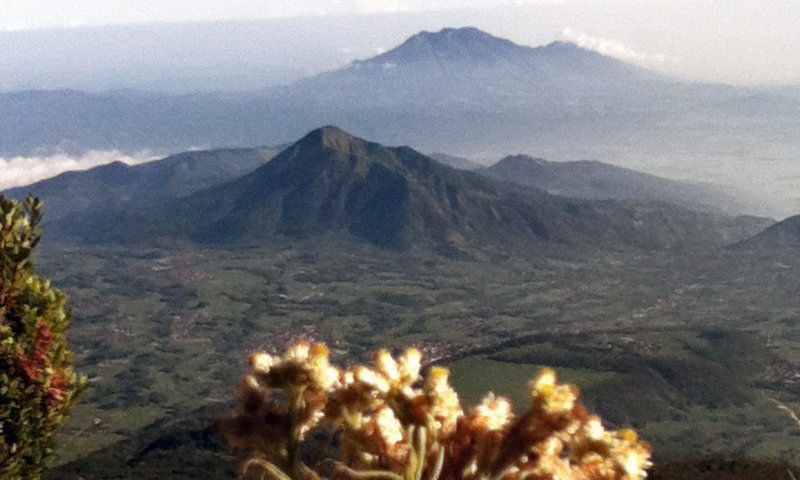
[[395, 422], [37, 383]]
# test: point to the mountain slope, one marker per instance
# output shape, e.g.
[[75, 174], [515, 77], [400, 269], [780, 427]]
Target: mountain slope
[[332, 182], [115, 185], [597, 180], [471, 67], [451, 51], [459, 163], [782, 236]]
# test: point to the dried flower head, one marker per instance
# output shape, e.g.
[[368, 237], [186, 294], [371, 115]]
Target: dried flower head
[[396, 425], [493, 414]]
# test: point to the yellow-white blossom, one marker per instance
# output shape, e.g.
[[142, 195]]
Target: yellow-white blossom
[[393, 426], [389, 427], [410, 365], [494, 412], [371, 379], [262, 362], [387, 366]]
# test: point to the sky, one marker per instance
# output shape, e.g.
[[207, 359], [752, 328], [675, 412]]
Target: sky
[[56, 44], [27, 14]]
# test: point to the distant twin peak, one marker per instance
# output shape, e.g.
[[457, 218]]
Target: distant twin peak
[[450, 32], [464, 42]]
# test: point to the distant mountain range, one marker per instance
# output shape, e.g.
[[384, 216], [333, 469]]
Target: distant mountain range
[[467, 68], [116, 185], [460, 163], [333, 183], [461, 91], [597, 180], [432, 91]]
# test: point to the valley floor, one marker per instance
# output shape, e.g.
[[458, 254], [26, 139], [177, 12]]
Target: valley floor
[[699, 351]]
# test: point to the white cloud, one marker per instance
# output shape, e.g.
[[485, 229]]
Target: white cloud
[[18, 171], [13, 26], [614, 48]]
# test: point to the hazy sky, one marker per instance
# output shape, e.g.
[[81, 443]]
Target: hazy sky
[[734, 41]]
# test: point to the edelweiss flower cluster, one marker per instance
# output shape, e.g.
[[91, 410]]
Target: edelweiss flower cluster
[[395, 424]]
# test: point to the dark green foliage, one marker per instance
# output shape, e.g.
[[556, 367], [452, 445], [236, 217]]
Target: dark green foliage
[[37, 383], [692, 393], [723, 469], [188, 448]]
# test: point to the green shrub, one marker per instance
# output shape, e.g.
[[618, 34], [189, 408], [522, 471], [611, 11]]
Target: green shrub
[[37, 383]]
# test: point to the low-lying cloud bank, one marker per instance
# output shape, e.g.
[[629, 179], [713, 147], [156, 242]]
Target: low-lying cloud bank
[[19, 171]]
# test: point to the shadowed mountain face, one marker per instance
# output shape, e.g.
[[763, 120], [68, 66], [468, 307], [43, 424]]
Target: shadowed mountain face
[[597, 180], [332, 182]]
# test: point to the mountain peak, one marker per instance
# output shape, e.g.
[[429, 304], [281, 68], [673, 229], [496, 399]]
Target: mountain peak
[[466, 44], [561, 45], [462, 34], [520, 160], [331, 137], [463, 49]]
